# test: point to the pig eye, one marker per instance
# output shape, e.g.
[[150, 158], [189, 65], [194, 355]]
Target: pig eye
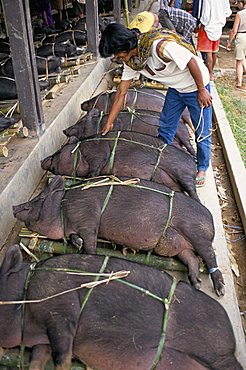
[[27, 207]]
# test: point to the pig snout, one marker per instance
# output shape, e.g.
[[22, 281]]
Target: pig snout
[[46, 163], [18, 209], [85, 106]]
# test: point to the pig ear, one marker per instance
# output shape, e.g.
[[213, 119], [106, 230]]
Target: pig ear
[[46, 163], [12, 261], [57, 183], [72, 140]]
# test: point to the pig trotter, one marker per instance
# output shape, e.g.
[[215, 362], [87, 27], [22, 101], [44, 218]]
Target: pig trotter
[[218, 281], [40, 355], [76, 241]]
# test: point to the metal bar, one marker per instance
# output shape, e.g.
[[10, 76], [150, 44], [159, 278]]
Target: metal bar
[[18, 22], [92, 23]]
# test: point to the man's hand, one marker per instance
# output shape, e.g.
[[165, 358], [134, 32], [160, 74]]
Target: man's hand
[[106, 128], [117, 105], [228, 45], [204, 98]]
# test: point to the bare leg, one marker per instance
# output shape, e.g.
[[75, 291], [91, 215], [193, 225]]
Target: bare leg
[[239, 70], [214, 57], [244, 66], [209, 63]]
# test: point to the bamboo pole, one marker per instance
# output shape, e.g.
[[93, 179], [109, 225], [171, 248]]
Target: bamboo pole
[[11, 360], [17, 131], [126, 12], [3, 151], [44, 247]]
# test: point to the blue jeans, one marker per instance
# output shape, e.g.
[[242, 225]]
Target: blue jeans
[[174, 105]]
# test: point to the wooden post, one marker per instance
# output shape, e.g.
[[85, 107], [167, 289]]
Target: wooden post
[[92, 24], [117, 10], [18, 22]]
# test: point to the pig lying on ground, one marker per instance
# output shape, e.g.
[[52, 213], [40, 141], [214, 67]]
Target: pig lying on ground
[[58, 50], [7, 88], [126, 154], [136, 217], [135, 99], [76, 37], [119, 327], [6, 122], [53, 64], [145, 122]]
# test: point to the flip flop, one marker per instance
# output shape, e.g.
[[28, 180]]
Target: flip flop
[[199, 179]]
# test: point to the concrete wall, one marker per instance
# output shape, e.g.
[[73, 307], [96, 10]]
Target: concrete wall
[[21, 171]]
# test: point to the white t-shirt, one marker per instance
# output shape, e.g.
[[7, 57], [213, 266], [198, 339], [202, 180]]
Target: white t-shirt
[[213, 17], [175, 73]]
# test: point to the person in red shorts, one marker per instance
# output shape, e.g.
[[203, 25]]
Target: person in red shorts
[[213, 19]]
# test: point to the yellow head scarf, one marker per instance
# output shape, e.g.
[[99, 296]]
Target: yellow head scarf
[[145, 41]]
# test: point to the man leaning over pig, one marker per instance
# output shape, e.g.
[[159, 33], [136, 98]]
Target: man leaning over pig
[[165, 57]]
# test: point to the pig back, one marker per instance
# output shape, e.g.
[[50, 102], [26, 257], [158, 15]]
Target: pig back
[[135, 99]]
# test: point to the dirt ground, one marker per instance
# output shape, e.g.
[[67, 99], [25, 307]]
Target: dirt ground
[[227, 65], [233, 228], [236, 240]]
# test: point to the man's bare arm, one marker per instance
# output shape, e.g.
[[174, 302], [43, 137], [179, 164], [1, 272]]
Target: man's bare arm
[[117, 105], [204, 98]]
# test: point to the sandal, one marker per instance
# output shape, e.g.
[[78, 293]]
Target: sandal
[[200, 181]]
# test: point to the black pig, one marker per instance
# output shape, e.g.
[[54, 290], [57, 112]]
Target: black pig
[[119, 327], [59, 50], [7, 88], [126, 154], [135, 99], [136, 217], [6, 122], [53, 64], [76, 37], [146, 122]]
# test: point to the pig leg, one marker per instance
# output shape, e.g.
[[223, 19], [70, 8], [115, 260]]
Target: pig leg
[[189, 187], [40, 355], [188, 257], [97, 158], [206, 251], [175, 244], [86, 238], [61, 335]]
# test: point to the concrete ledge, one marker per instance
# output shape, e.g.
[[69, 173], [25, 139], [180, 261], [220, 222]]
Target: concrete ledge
[[209, 199], [21, 171], [234, 163]]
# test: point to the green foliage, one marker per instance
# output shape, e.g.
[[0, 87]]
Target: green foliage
[[235, 109]]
